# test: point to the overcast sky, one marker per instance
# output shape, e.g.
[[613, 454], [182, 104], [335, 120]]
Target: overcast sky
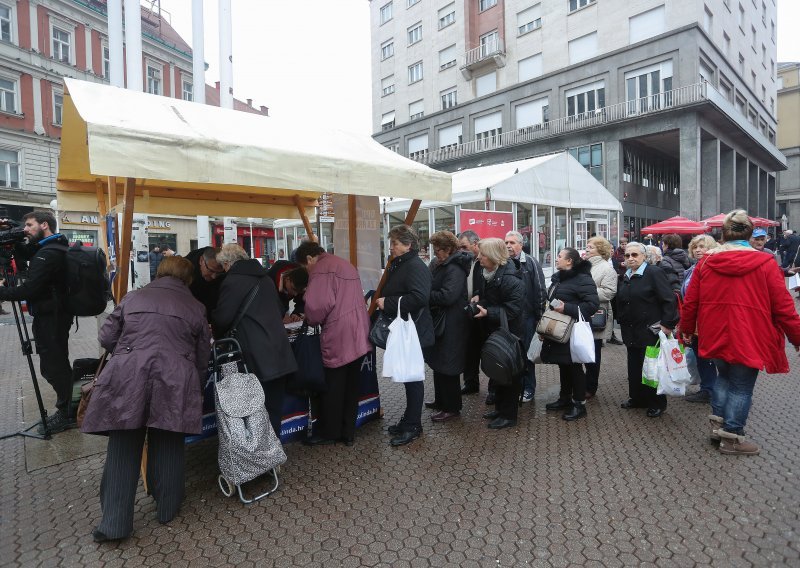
[[309, 60]]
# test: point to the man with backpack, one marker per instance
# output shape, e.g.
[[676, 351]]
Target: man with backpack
[[45, 291]]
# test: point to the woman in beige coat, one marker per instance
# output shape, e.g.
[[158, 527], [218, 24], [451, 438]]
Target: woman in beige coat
[[598, 251]]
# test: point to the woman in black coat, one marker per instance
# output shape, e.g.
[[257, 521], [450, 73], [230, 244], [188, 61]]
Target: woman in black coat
[[449, 268], [500, 289], [573, 286], [409, 278], [260, 332], [645, 305]]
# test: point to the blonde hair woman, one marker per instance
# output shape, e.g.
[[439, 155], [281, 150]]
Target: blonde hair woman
[[598, 251]]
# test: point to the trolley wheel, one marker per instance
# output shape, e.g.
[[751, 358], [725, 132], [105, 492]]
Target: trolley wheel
[[225, 486]]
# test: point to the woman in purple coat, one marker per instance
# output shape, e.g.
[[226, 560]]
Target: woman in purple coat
[[158, 338]]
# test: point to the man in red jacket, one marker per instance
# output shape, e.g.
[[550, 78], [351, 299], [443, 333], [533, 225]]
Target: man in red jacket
[[738, 302]]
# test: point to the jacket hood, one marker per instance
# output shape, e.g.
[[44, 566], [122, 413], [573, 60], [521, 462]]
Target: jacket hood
[[585, 267], [680, 256], [248, 267], [461, 259], [732, 260]]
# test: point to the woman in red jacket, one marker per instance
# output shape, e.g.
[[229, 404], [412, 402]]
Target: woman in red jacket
[[738, 302]]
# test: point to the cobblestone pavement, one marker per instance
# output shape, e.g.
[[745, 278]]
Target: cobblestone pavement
[[616, 489]]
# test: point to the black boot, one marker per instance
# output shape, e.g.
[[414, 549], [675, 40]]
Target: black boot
[[559, 404], [578, 410]]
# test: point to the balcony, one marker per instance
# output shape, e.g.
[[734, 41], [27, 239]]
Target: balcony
[[491, 54]]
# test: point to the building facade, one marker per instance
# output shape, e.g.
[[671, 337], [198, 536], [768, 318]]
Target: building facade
[[43, 41], [669, 103], [789, 143]]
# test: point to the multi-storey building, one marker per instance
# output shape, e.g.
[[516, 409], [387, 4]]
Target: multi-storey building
[[42, 41], [669, 103], [789, 142]]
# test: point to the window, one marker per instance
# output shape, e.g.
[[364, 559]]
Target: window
[[153, 80], [9, 168], [530, 67], [772, 106], [591, 158], [5, 23], [449, 98], [489, 43], [450, 136], [417, 146], [394, 147], [58, 107], [741, 65], [415, 33], [753, 80], [706, 73], [416, 110], [648, 88], [772, 30], [772, 69], [486, 84], [753, 37], [708, 20], [8, 95], [415, 72], [387, 85], [387, 49], [585, 99], [488, 126], [726, 44], [726, 88], [447, 15], [764, 55], [411, 3], [741, 17], [447, 57], [486, 4], [583, 48], [61, 45], [188, 90], [647, 24], [763, 13], [529, 19], [387, 120], [531, 113], [577, 4], [106, 62], [386, 13], [763, 94]]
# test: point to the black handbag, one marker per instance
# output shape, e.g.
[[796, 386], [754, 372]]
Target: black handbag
[[502, 358], [439, 316], [309, 378], [599, 320], [379, 332]]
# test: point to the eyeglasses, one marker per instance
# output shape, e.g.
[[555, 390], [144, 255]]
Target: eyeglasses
[[631, 254], [214, 272]]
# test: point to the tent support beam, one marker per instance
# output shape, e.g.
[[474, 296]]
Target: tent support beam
[[410, 216], [126, 233], [112, 206], [351, 229], [102, 208], [306, 223]]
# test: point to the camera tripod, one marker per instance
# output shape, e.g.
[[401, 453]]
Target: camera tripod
[[27, 350]]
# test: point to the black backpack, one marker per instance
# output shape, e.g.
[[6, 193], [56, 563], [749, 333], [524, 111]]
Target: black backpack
[[502, 358], [88, 288]]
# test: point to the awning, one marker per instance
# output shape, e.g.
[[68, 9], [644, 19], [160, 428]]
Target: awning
[[195, 159], [680, 225]]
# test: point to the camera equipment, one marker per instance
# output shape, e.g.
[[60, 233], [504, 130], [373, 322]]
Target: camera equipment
[[13, 235], [472, 309]]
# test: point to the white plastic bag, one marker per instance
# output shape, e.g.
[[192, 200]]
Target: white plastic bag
[[535, 349], [581, 341], [794, 282], [402, 360], [673, 368]]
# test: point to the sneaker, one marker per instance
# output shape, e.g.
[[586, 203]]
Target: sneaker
[[56, 422], [527, 396], [702, 396]]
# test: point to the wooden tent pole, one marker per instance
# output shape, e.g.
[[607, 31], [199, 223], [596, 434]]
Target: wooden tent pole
[[304, 218], [112, 206], [410, 216], [351, 229], [126, 232], [102, 209]]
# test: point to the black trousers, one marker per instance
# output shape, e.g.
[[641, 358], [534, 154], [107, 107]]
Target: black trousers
[[447, 391], [51, 334], [274, 392], [573, 382], [506, 400], [593, 369], [472, 356], [415, 393], [641, 395], [165, 477], [339, 405]]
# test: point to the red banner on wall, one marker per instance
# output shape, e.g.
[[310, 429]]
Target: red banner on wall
[[487, 223]]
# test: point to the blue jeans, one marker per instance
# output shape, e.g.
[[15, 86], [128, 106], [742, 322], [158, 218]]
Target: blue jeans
[[706, 369], [529, 376], [733, 395]]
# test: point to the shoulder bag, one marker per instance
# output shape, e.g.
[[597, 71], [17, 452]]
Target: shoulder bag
[[555, 326], [310, 375], [599, 319], [242, 309], [86, 392], [502, 358]]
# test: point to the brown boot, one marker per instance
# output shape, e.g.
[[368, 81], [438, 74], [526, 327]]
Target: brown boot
[[736, 445], [716, 424]]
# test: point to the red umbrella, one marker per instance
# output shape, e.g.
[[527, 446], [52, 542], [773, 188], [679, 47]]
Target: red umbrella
[[680, 225], [762, 222], [716, 221]]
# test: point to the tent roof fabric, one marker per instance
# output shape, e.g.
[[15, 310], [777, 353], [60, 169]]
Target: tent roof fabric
[[556, 179], [196, 159], [677, 224]]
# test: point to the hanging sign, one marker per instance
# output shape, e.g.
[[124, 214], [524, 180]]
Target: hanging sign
[[487, 224]]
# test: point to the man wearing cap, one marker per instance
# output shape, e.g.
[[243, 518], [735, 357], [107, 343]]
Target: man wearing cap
[[759, 242]]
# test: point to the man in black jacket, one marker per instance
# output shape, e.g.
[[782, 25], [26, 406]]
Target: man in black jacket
[[208, 276], [533, 306], [468, 242], [45, 290]]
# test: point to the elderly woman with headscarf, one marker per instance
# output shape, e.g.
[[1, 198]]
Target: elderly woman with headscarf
[[645, 305], [738, 302]]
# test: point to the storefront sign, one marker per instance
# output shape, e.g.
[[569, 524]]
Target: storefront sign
[[244, 231], [158, 224], [487, 224]]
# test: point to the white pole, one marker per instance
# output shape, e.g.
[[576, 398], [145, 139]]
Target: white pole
[[116, 63], [198, 55], [133, 44], [225, 55], [202, 231]]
